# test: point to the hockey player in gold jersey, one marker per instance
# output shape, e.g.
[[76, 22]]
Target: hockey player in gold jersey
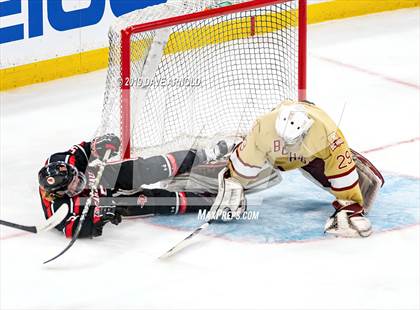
[[300, 135]]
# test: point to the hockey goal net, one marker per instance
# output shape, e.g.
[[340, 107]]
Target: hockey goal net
[[185, 74]]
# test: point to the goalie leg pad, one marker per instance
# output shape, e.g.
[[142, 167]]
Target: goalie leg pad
[[370, 179]]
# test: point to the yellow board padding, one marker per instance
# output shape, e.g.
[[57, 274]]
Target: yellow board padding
[[84, 62], [52, 69], [208, 35], [239, 29], [339, 9], [197, 37], [201, 36]]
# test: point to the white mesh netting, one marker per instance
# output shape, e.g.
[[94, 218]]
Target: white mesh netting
[[196, 83]]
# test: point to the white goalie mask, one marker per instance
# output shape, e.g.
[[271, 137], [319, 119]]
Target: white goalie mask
[[293, 123]]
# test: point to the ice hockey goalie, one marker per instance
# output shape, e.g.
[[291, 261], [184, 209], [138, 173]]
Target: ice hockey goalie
[[300, 135]]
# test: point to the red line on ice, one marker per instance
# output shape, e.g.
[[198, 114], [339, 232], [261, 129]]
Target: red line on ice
[[14, 235], [380, 148], [356, 68]]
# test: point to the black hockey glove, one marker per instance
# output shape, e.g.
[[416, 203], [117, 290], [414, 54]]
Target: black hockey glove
[[100, 145], [103, 215]]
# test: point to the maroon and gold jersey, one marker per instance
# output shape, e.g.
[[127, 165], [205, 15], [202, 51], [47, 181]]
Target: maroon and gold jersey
[[323, 144]]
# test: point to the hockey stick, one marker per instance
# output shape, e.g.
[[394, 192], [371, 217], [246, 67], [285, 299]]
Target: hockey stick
[[86, 207], [184, 243], [188, 240], [49, 224]]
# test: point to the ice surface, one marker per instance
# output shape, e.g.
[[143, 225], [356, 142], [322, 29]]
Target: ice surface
[[369, 65]]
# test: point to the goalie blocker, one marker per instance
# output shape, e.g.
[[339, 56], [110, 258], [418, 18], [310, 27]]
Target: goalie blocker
[[230, 202]]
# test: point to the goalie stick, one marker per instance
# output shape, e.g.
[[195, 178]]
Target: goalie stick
[[188, 240], [86, 207], [49, 224], [184, 243]]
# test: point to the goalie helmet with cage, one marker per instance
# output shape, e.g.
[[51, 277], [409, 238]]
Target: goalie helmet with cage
[[59, 178], [293, 123]]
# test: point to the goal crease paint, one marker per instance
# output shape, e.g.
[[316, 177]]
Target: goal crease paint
[[296, 211]]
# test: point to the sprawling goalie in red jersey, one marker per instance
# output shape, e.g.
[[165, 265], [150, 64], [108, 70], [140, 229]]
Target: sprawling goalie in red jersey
[[67, 178], [300, 135]]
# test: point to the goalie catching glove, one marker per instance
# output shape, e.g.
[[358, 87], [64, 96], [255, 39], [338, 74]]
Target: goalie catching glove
[[348, 220], [230, 202]]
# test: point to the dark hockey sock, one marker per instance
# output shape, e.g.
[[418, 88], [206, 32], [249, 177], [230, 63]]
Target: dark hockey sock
[[184, 161], [161, 202], [198, 202]]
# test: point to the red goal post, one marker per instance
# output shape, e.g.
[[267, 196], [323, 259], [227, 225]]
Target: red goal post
[[126, 52]]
